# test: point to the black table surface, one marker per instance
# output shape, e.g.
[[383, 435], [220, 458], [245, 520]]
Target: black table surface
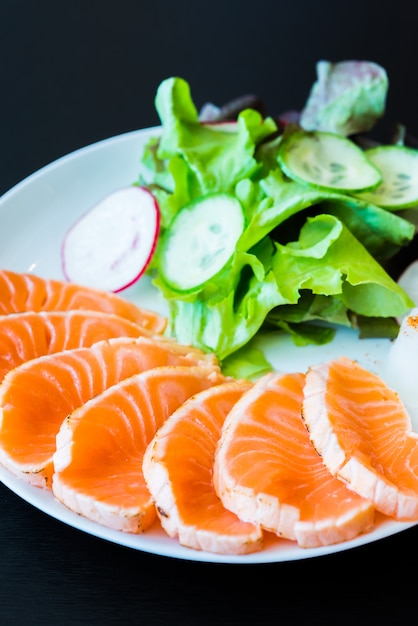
[[74, 72]]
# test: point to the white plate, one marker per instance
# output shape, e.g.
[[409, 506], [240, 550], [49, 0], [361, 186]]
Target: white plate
[[34, 216]]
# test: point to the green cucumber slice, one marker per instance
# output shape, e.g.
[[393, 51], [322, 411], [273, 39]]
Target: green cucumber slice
[[200, 241], [399, 168], [327, 161]]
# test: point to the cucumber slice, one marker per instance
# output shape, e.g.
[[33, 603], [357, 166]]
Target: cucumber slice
[[200, 241], [327, 161], [399, 168]]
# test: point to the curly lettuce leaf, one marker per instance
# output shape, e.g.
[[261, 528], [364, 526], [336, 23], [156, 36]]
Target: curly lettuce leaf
[[348, 97], [327, 259], [381, 232], [220, 326], [272, 201], [246, 362], [228, 310], [216, 159], [308, 259]]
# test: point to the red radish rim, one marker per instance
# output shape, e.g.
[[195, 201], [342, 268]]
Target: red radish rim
[[145, 264]]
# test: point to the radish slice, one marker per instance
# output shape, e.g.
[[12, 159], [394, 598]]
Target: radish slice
[[111, 245]]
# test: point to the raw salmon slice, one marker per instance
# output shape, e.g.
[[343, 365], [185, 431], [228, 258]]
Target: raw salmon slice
[[28, 335], [36, 396], [27, 292], [268, 473], [363, 433], [178, 470], [100, 446]]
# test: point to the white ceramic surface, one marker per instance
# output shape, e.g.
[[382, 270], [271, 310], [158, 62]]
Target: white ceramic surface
[[34, 216]]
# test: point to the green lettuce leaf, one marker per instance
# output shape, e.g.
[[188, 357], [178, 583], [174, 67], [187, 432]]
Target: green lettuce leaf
[[347, 97], [275, 199], [307, 261], [327, 259], [229, 310], [247, 362], [216, 159]]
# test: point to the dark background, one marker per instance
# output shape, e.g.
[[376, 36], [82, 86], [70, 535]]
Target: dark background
[[73, 72], [76, 72]]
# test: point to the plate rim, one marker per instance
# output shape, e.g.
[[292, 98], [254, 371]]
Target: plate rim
[[96, 145]]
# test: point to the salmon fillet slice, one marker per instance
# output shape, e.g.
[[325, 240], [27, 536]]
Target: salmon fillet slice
[[268, 473], [363, 433], [100, 446], [36, 396], [26, 292], [28, 335], [178, 466]]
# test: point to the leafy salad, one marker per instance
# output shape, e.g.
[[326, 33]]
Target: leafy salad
[[266, 225]]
